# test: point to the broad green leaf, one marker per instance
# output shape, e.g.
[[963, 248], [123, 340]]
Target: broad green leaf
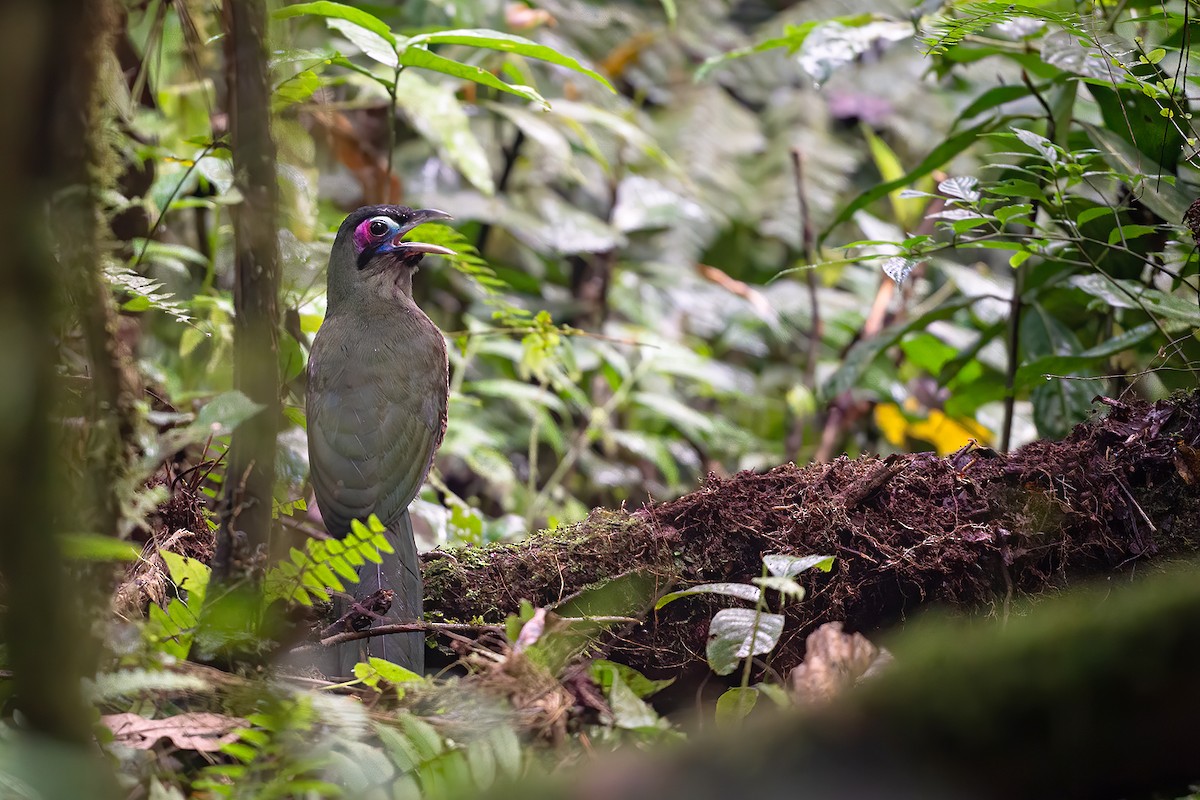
[[188, 574], [1095, 212], [373, 47], [737, 633], [437, 115], [735, 705], [1033, 371], [906, 208], [393, 673], [670, 10], [221, 415], [629, 711], [743, 591], [94, 547], [791, 566], [962, 187], [296, 89], [330, 10], [1058, 403], [1124, 233], [1121, 293], [508, 43], [424, 59]]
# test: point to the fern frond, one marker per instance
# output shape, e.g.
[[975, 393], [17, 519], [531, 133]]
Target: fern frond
[[325, 563], [144, 293]]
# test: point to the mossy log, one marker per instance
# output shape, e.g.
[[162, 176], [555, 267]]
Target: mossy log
[[1094, 696], [975, 530]]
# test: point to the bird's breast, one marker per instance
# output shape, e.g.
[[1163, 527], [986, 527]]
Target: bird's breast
[[376, 414]]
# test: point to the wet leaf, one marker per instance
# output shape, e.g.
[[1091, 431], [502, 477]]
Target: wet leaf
[[737, 633], [743, 591]]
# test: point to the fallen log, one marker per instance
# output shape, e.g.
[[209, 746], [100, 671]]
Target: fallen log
[[975, 530]]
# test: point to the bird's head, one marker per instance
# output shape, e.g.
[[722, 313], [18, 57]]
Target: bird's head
[[370, 258]]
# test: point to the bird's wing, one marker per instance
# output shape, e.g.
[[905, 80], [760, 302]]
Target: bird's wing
[[372, 439]]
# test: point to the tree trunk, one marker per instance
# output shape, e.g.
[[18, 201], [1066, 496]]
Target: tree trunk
[[246, 496], [49, 52]]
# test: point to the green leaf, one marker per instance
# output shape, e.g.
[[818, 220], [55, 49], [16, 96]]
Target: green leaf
[[898, 268], [373, 46], [393, 673], [602, 672], [938, 157], [1089, 214], [671, 12], [424, 59], [1008, 213], [1124, 233], [784, 585], [507, 748], [1121, 293], [508, 43], [425, 739], [735, 705], [629, 710], [961, 187], [791, 566], [331, 10], [401, 750], [741, 590], [296, 89], [94, 547], [482, 762], [1032, 372], [437, 115], [188, 574], [221, 415], [737, 633]]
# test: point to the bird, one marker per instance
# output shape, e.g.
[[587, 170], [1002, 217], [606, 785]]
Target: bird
[[378, 386]]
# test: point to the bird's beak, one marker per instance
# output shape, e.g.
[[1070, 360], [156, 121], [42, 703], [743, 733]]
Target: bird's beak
[[420, 216]]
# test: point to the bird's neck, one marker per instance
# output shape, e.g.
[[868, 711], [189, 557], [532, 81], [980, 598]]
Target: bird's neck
[[384, 292]]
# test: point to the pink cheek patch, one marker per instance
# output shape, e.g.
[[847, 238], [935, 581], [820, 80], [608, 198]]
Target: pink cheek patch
[[362, 236]]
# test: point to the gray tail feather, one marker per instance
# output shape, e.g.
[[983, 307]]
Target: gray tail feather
[[401, 573]]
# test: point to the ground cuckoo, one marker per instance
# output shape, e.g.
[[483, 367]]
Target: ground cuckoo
[[377, 390]]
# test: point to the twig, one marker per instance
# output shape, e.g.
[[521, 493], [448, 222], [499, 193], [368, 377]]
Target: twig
[[510, 158], [409, 627]]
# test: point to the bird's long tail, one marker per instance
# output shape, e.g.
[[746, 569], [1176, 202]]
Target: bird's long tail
[[401, 573]]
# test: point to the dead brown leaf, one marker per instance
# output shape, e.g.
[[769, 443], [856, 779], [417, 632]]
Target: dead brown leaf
[[201, 731], [834, 661]]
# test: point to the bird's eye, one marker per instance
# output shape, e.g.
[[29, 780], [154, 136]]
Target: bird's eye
[[378, 227]]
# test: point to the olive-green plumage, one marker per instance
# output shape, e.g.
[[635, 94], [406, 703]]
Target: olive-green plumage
[[377, 392]]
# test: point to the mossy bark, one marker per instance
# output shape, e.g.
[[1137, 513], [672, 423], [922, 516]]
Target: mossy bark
[[976, 530]]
